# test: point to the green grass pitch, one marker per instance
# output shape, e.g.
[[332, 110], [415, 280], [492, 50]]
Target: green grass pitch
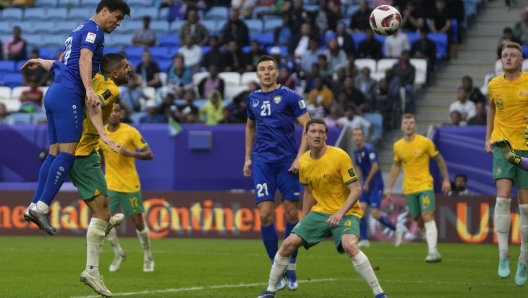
[[50, 267]]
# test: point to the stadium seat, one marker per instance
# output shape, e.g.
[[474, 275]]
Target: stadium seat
[[139, 3], [134, 52], [254, 26], [173, 51], [163, 78], [164, 64], [129, 26], [246, 49], [38, 115], [168, 40], [163, 13], [248, 77], [454, 30], [346, 21], [7, 66], [210, 25], [205, 49], [358, 38], [199, 76], [150, 92], [230, 78], [174, 27], [137, 13], [5, 93], [136, 116], [270, 25], [311, 8], [231, 92], [329, 35], [34, 14], [53, 41], [271, 17], [6, 28], [524, 66], [34, 40], [46, 3], [44, 28], [12, 80], [219, 25], [47, 53], [440, 39], [71, 3], [65, 27], [421, 71], [17, 91], [362, 63], [525, 51], [18, 118], [498, 67], [80, 14], [200, 102], [351, 10], [25, 27], [412, 36], [19, 64], [377, 76], [119, 40], [284, 50], [11, 105], [385, 64], [159, 53], [217, 13], [109, 49], [257, 10], [160, 27], [265, 39], [90, 3], [12, 14], [57, 14]]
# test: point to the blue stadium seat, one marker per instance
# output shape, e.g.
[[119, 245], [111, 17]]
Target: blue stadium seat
[[525, 51], [71, 3], [46, 3], [159, 53], [284, 50], [160, 27], [164, 64], [168, 40], [329, 35], [139, 3], [138, 13], [270, 25], [34, 14], [129, 26], [90, 3], [271, 17], [265, 39], [47, 53], [110, 49], [163, 14], [136, 116], [120, 40], [7, 66], [254, 26], [412, 36], [257, 10], [351, 10], [205, 49], [210, 25], [65, 27], [311, 8], [33, 40], [346, 21], [173, 51], [47, 28], [219, 25], [20, 63], [134, 62], [53, 41], [174, 27], [12, 14], [217, 13], [246, 49], [454, 29], [80, 14], [25, 27], [57, 14], [134, 52], [441, 43], [5, 28], [19, 118], [470, 7], [12, 80], [358, 38], [200, 102]]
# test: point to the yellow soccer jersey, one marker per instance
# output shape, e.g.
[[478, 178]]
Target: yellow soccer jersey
[[415, 156], [108, 92], [511, 105], [121, 174], [328, 178]]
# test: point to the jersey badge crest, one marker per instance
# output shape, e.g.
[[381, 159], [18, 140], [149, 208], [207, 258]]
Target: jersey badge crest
[[90, 37], [302, 105], [255, 103], [327, 176], [277, 99], [351, 172], [107, 94], [523, 93]]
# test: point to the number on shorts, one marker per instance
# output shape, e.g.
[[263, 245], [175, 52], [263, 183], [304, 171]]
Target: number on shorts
[[265, 109], [67, 50], [134, 202], [348, 223], [262, 190]]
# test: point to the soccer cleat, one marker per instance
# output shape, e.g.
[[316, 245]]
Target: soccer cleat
[[504, 267], [520, 276], [507, 151], [267, 294], [364, 243], [381, 295], [96, 283], [281, 285], [398, 237], [42, 220], [114, 221], [29, 218], [116, 264], [433, 257], [291, 276], [148, 265]]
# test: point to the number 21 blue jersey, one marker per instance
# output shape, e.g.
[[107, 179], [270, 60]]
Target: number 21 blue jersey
[[275, 113]]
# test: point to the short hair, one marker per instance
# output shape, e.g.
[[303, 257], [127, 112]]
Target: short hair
[[405, 52], [322, 56], [507, 29], [316, 121], [111, 62], [467, 78], [462, 176], [409, 116], [146, 18], [360, 129], [267, 58], [512, 45], [113, 5]]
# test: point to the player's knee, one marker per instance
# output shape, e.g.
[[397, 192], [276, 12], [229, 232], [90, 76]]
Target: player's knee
[[427, 216], [138, 222], [376, 213], [292, 215], [350, 247], [288, 246], [266, 218]]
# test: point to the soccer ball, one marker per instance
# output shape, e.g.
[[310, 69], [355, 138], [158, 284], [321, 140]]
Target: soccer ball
[[385, 20]]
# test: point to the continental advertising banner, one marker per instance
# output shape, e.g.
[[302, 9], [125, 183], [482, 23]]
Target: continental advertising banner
[[465, 219]]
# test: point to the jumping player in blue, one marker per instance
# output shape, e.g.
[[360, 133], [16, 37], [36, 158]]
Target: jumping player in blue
[[271, 150], [368, 168], [64, 102]]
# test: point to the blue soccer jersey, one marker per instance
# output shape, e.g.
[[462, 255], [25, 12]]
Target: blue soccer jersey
[[275, 113], [86, 36], [364, 158]]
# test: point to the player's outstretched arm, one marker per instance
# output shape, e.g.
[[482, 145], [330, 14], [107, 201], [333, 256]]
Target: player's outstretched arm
[[36, 63], [145, 154], [395, 171], [85, 69], [353, 197], [304, 143], [489, 126], [446, 184], [308, 200], [96, 117], [251, 132]]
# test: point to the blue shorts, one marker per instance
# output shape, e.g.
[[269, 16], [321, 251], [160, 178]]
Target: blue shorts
[[268, 177], [64, 111], [373, 197]]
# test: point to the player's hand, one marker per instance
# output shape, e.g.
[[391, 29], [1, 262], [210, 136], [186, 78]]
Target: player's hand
[[388, 195], [30, 64], [110, 143], [247, 170], [294, 167], [334, 220], [125, 152], [488, 147], [366, 187], [93, 99], [446, 186]]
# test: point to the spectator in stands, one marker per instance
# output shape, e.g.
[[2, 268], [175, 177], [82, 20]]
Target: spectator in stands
[[192, 54], [385, 103], [283, 61], [152, 115], [338, 84], [144, 37], [368, 87], [214, 56], [440, 20], [455, 10], [309, 77], [235, 59], [3, 113], [300, 43], [228, 117], [520, 30], [480, 117], [187, 112], [298, 14], [353, 121], [179, 76], [39, 74], [393, 82], [355, 97], [325, 18], [369, 48], [344, 40], [459, 188], [359, 22], [148, 72], [212, 111], [22, 3], [282, 35], [396, 44], [167, 108], [321, 92], [239, 104], [424, 48], [244, 6], [456, 119], [411, 19], [15, 46], [210, 83], [336, 112], [463, 105], [350, 66], [325, 70], [316, 109], [194, 29], [310, 56], [277, 8], [377, 3], [131, 97], [473, 92], [285, 79], [334, 54], [234, 30], [33, 95], [253, 56], [406, 72], [507, 36]]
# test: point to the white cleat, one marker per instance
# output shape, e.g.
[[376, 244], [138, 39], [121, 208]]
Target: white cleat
[[398, 237], [364, 243], [148, 265], [116, 264], [96, 283], [114, 221]]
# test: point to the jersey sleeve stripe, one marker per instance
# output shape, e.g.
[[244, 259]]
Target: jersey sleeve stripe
[[143, 148], [102, 100], [351, 180], [303, 184]]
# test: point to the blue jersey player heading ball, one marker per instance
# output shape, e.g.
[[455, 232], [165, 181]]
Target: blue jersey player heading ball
[[272, 151], [64, 102], [366, 159]]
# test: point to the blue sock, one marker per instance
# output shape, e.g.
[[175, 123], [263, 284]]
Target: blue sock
[[43, 176], [62, 164], [287, 232], [363, 228], [384, 220], [271, 240]]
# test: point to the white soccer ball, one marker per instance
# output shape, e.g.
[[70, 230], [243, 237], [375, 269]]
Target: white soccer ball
[[385, 20]]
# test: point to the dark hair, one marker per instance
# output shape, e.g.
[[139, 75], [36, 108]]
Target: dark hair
[[316, 121], [360, 129], [463, 176], [111, 62], [467, 78], [146, 18], [322, 56], [113, 5], [267, 58]]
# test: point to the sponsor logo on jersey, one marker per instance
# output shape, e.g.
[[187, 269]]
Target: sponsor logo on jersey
[[327, 176], [351, 172], [523, 93], [372, 155], [90, 37], [255, 103], [106, 94], [277, 99]]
